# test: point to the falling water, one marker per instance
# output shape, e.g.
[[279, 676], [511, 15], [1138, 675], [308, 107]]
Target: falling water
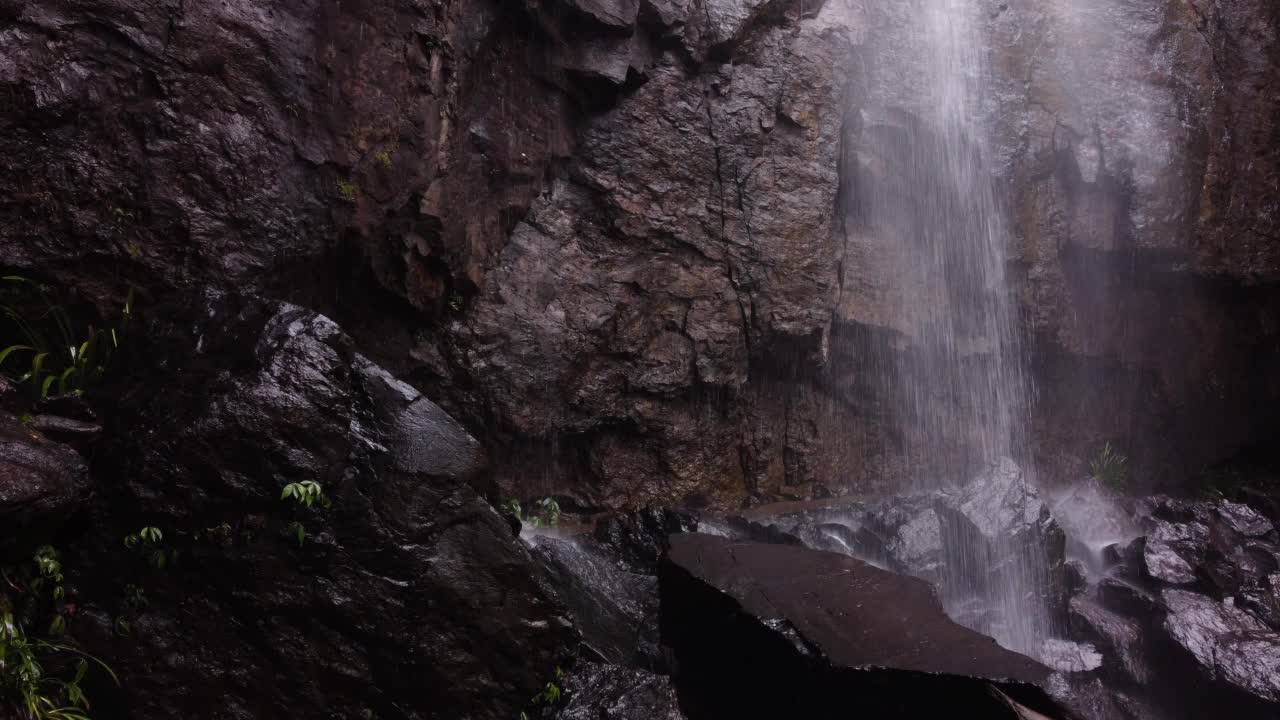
[[926, 197]]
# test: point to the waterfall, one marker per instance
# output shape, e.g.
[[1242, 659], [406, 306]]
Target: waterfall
[[925, 196]]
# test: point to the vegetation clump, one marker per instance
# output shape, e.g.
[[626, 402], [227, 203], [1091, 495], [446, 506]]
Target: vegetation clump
[[542, 513], [148, 542], [549, 696], [347, 191], [40, 678], [51, 353], [305, 494], [1108, 467]]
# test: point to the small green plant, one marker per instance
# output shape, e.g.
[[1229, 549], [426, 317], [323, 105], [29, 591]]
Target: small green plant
[[221, 534], [305, 494], [383, 158], [56, 355], [542, 513], [31, 691], [455, 303], [1108, 467], [148, 542], [550, 694], [135, 597], [347, 191], [32, 686], [298, 531]]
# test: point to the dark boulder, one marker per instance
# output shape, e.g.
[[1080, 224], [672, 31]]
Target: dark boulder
[[639, 538], [1230, 645], [768, 631], [409, 597], [615, 610]]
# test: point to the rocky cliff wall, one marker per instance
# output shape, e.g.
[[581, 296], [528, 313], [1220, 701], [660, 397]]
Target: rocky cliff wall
[[613, 237]]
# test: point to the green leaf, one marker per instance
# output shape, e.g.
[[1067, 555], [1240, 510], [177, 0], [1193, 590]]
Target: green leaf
[[37, 365], [4, 354], [44, 387], [299, 532]]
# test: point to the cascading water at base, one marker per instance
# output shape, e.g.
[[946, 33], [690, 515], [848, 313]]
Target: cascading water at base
[[954, 390]]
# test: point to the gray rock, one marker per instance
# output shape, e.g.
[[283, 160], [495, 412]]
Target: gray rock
[[1162, 562], [1242, 519], [1229, 644], [1119, 637], [1003, 505], [1174, 550], [1070, 657], [915, 540]]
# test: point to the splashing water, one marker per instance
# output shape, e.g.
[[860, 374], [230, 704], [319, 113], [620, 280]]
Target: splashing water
[[926, 196]]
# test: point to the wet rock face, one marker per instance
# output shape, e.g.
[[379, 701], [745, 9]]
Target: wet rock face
[[632, 272], [410, 597], [592, 259], [244, 147], [693, 239]]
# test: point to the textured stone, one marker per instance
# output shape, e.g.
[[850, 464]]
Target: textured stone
[[1229, 644], [695, 236]]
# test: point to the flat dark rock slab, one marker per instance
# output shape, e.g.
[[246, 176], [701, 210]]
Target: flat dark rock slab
[[827, 634]]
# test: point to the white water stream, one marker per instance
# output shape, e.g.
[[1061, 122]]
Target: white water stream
[[957, 382]]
